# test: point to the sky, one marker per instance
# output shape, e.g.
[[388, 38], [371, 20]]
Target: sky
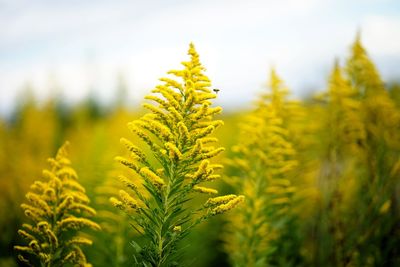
[[76, 48]]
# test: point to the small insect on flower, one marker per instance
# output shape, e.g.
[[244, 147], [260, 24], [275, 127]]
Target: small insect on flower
[[216, 90]]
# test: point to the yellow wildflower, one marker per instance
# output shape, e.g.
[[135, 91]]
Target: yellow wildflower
[[228, 205], [175, 129], [204, 190], [154, 178], [54, 213]]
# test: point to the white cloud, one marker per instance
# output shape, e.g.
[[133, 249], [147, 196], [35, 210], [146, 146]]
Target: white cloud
[[382, 34], [238, 42]]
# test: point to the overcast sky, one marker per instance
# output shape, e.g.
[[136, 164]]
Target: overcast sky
[[83, 44]]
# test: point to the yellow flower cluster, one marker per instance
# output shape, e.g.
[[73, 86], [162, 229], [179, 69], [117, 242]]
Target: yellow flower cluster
[[362, 72], [381, 117], [378, 156], [55, 208], [223, 204], [344, 111], [262, 165], [177, 130]]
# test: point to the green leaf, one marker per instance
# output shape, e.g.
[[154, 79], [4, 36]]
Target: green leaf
[[136, 246]]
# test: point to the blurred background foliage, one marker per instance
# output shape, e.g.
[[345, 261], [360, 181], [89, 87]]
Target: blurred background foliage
[[346, 208]]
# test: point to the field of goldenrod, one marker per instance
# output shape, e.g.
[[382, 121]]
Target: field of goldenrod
[[312, 182]]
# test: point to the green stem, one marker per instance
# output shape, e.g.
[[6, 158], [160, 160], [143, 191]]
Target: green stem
[[165, 215]]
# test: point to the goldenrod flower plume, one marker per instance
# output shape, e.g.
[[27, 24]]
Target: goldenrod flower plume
[[263, 161], [362, 72], [177, 130], [57, 209]]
